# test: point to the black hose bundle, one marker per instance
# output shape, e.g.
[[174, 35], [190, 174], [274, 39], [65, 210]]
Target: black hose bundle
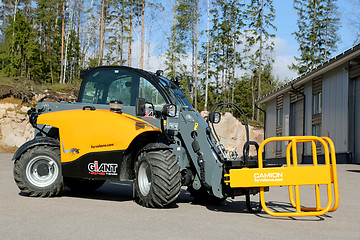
[[246, 124]]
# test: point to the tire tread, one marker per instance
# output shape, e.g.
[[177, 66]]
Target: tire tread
[[166, 182]]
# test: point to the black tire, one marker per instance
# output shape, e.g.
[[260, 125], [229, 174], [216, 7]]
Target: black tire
[[83, 185], [201, 196], [38, 172], [158, 178]]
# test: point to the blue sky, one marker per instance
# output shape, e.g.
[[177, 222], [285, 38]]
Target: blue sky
[[286, 18], [286, 45]]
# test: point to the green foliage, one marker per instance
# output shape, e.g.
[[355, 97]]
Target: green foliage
[[20, 51], [317, 35], [225, 34], [181, 41], [244, 88], [256, 25], [32, 44], [119, 26]]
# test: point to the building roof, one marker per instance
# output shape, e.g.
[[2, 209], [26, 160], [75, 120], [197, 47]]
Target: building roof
[[319, 70]]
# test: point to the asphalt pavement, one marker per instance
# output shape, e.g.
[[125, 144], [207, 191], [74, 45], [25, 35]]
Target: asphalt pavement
[[111, 213]]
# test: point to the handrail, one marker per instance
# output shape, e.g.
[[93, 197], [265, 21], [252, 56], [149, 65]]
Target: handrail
[[293, 176], [317, 189], [305, 211]]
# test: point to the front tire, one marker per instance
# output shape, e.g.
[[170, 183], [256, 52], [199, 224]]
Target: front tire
[[158, 179], [38, 172]]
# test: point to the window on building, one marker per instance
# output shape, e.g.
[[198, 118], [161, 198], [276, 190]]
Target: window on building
[[279, 116], [279, 124], [278, 144], [316, 118], [316, 130], [317, 103]]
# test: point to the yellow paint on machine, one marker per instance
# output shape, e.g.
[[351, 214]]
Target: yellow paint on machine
[[293, 176], [85, 131], [284, 176]]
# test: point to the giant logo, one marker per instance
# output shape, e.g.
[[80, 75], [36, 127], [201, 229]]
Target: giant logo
[[103, 169]]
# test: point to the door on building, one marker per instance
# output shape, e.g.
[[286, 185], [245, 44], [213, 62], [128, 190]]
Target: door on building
[[296, 124], [356, 121]]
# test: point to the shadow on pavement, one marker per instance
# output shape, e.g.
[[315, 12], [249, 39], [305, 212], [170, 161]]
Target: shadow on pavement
[[230, 206], [110, 191], [115, 191]]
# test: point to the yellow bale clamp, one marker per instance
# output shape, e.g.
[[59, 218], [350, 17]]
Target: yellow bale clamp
[[293, 176]]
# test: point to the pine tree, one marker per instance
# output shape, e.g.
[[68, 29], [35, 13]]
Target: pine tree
[[225, 35], [261, 14], [102, 32], [20, 52], [317, 32], [183, 41], [48, 27], [118, 28]]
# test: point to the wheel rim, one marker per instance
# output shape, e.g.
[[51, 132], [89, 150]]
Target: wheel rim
[[144, 178], [42, 171]]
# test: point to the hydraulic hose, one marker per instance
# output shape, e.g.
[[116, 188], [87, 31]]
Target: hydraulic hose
[[200, 159], [246, 124]]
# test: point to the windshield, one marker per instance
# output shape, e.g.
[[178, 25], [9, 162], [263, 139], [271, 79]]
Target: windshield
[[175, 93]]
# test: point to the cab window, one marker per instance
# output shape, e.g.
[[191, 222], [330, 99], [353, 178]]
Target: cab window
[[150, 93], [104, 85]]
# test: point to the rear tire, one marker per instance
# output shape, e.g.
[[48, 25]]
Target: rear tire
[[158, 178], [38, 172], [83, 185]]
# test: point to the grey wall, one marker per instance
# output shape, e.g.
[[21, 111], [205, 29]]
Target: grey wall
[[270, 128], [335, 108]]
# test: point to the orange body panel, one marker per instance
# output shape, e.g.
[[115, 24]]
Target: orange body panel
[[85, 131]]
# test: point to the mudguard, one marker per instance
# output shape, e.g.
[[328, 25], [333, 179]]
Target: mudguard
[[90, 131], [37, 141]]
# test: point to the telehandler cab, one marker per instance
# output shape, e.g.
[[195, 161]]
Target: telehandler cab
[[129, 124]]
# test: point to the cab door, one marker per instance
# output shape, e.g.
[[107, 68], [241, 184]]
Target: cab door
[[103, 85]]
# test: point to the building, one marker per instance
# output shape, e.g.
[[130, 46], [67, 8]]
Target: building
[[323, 102]]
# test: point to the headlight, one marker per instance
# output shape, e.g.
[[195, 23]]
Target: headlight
[[169, 110], [214, 117]]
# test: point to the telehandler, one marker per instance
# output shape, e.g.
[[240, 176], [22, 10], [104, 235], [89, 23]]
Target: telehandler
[[130, 124]]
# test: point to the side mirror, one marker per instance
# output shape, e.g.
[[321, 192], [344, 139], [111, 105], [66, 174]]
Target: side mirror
[[214, 117], [169, 110], [140, 106], [177, 80]]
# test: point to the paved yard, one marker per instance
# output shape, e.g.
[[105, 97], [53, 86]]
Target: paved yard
[[111, 213]]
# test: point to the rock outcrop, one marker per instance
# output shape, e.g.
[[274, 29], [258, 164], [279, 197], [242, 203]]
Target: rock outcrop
[[232, 134], [15, 128], [14, 125]]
